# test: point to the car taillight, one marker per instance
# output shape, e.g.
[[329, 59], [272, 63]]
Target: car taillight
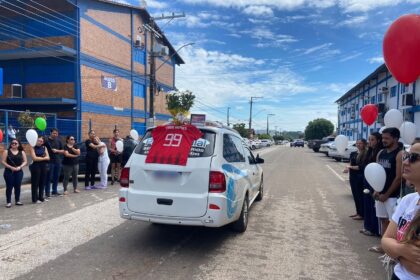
[[125, 177], [217, 182]]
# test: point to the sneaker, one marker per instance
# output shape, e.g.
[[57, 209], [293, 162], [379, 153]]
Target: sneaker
[[94, 187], [8, 205], [57, 194], [38, 202], [65, 193], [76, 191], [101, 187], [88, 188], [19, 203]]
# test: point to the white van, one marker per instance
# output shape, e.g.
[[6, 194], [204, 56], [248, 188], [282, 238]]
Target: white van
[[221, 180]]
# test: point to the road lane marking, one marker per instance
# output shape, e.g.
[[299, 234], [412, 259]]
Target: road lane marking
[[335, 173], [25, 249]]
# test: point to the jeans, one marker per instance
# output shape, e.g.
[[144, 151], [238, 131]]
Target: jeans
[[13, 179], [72, 170], [52, 177]]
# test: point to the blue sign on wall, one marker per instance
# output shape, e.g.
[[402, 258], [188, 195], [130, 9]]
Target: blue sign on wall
[[1, 81], [109, 83]]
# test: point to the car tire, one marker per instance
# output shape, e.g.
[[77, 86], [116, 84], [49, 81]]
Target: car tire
[[338, 159], [316, 150], [242, 223], [261, 191]]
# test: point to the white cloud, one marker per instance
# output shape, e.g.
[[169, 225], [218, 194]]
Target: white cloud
[[352, 21], [259, 11], [317, 48], [350, 57], [340, 88], [375, 60], [365, 5], [267, 38]]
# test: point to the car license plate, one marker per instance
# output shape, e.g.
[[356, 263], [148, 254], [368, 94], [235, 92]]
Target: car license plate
[[166, 174]]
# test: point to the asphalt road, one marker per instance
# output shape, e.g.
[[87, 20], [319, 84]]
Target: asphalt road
[[300, 230]]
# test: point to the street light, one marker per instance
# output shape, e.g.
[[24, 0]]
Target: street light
[[268, 115], [250, 112]]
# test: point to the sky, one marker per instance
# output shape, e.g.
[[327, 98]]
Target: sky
[[299, 55]]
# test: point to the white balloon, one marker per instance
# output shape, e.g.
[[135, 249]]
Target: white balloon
[[341, 143], [119, 145], [382, 129], [393, 118], [31, 137], [134, 134], [376, 176], [408, 132]]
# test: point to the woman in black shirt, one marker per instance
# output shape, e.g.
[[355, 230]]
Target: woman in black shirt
[[92, 156], [38, 168], [70, 164], [13, 159]]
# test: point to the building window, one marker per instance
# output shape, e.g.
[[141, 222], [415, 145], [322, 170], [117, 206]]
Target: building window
[[380, 98], [373, 99], [139, 56], [403, 88], [393, 91], [139, 90]]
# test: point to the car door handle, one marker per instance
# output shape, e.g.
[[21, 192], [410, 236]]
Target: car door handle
[[164, 201]]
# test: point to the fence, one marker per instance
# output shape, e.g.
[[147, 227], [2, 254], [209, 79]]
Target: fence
[[16, 123]]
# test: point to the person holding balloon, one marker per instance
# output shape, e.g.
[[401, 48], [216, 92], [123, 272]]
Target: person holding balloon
[[355, 170], [386, 199], [115, 156], [13, 160], [40, 157], [401, 240], [103, 163], [70, 163], [370, 221]]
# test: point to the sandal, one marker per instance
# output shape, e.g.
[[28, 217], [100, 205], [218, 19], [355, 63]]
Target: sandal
[[376, 249], [357, 218], [352, 216]]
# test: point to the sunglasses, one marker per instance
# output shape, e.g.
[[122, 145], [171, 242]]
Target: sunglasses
[[72, 139], [412, 157], [14, 143]]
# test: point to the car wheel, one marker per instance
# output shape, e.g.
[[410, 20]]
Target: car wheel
[[241, 224], [316, 150], [338, 159], [261, 191]]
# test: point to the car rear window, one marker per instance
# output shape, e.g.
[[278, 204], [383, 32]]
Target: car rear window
[[203, 147]]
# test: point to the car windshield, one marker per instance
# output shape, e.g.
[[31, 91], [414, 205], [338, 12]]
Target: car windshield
[[203, 147]]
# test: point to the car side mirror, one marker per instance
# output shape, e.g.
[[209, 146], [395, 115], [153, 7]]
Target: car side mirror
[[259, 160]]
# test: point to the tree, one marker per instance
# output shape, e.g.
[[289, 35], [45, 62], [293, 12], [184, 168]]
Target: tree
[[240, 127], [264, 136], [318, 128]]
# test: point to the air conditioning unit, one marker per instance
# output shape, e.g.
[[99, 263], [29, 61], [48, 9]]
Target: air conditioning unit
[[407, 100], [383, 90], [164, 51], [138, 43], [16, 91]]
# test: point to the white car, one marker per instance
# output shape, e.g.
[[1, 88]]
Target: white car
[[265, 143], [333, 153], [218, 185], [326, 147]]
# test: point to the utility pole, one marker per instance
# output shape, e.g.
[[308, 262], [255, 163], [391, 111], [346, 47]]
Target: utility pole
[[268, 115], [228, 109], [250, 113], [155, 34]]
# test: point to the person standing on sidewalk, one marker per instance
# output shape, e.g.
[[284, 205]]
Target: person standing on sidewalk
[[92, 155], [355, 170], [38, 168], [55, 150], [391, 160], [370, 221], [115, 156], [70, 164], [103, 164], [13, 159]]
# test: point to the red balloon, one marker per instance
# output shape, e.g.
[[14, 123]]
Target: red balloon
[[369, 113], [401, 48], [1, 136]]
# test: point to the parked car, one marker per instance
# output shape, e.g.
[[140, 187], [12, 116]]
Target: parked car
[[333, 153], [218, 185], [316, 144], [265, 143], [256, 144], [297, 143], [326, 147]]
